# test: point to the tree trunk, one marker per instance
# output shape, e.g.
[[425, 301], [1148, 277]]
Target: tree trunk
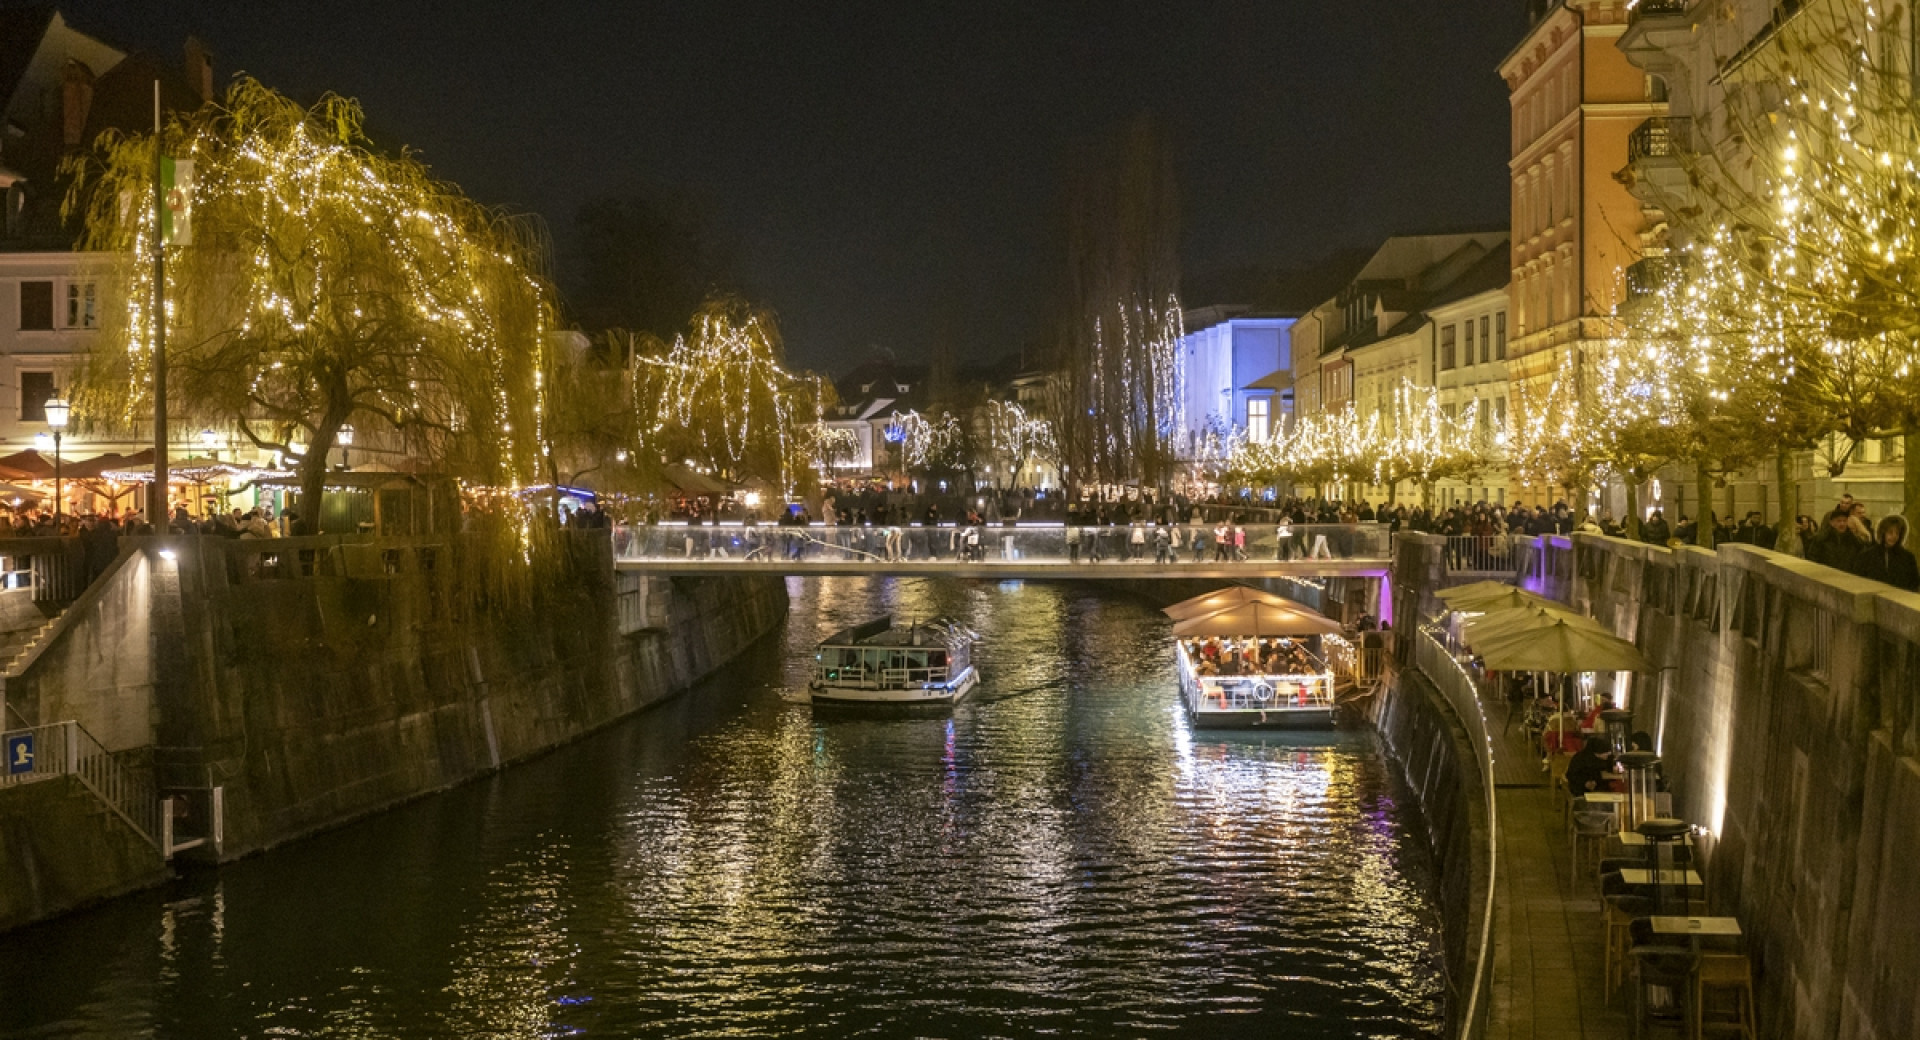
[[1703, 520], [1910, 472], [1633, 508], [313, 486], [1790, 496]]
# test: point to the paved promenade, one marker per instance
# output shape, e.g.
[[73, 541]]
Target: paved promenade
[[1548, 961]]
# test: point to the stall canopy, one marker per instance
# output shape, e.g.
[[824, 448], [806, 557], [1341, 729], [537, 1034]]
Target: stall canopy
[[692, 483], [1562, 646], [1222, 599], [1487, 596], [1500, 623], [1259, 620]]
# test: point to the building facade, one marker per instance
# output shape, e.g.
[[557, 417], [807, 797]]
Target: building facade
[[1575, 100], [1225, 364]]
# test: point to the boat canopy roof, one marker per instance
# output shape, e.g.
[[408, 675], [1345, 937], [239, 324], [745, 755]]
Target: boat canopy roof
[[881, 632]]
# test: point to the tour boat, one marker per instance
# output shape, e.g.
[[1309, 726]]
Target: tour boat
[[925, 662], [1299, 698], [1215, 637]]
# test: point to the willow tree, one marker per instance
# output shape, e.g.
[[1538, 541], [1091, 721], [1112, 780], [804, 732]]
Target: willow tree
[[722, 397], [328, 283], [1017, 440]]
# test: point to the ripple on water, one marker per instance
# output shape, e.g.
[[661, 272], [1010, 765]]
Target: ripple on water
[[1061, 857]]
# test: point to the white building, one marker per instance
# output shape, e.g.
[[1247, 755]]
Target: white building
[[1226, 363]]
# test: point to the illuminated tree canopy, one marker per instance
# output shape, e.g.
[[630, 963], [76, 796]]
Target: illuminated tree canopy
[[327, 283]]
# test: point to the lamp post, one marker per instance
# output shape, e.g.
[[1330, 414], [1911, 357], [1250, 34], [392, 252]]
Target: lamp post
[[345, 437], [58, 411], [210, 443]]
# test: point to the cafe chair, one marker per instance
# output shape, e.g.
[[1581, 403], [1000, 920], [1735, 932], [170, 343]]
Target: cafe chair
[[1668, 969], [1621, 906], [1721, 974], [1589, 833]]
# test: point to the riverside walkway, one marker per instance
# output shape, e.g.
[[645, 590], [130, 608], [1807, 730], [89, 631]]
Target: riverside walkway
[[1546, 967]]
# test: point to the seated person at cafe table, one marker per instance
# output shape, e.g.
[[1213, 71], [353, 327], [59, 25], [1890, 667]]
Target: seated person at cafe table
[[1591, 769]]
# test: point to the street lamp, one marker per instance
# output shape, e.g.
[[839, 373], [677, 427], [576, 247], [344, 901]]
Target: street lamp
[[58, 412], [345, 437], [210, 442]]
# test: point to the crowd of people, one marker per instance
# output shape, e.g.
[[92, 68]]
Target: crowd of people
[[1214, 656]]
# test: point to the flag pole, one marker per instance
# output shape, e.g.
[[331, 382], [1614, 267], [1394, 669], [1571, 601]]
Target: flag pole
[[157, 512]]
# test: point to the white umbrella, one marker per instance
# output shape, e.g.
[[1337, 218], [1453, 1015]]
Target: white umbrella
[[1562, 646], [1223, 599], [1258, 620]]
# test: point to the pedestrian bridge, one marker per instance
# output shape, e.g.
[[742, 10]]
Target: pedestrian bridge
[[1023, 551]]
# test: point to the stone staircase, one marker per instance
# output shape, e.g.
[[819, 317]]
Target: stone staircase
[[14, 658]]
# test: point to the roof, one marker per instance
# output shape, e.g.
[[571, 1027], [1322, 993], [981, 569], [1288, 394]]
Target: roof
[[1279, 379]]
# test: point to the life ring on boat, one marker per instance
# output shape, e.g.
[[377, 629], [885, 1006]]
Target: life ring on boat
[[1262, 692]]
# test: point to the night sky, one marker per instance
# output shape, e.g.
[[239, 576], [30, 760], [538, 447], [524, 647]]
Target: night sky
[[881, 169]]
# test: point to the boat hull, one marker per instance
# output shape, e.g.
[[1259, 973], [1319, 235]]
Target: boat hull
[[949, 693], [1317, 717]]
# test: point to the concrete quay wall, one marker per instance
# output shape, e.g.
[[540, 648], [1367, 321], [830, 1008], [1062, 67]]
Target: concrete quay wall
[[1785, 706], [317, 680]]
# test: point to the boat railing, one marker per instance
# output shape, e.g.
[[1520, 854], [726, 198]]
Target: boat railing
[[1255, 692], [878, 678], [909, 676]]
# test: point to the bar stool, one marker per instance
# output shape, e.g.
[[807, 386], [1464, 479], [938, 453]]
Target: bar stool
[[1668, 968], [1590, 829], [1666, 834], [1724, 973], [1640, 783]]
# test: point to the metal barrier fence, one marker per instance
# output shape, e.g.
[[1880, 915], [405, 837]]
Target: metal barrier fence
[[1034, 543], [1445, 672], [67, 749], [1483, 554]]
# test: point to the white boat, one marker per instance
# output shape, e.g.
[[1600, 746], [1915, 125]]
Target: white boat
[[1220, 636], [926, 662], [1295, 699]]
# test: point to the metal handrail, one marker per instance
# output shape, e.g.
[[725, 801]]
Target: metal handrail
[[67, 749], [1441, 668]]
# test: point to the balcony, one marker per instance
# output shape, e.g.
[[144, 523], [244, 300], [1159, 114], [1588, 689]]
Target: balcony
[[1656, 9], [1654, 170], [1649, 275], [1662, 137], [1653, 26]]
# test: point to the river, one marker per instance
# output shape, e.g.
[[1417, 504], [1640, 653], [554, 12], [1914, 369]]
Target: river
[[1061, 856]]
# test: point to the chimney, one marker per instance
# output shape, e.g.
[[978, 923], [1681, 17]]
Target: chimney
[[76, 99], [200, 68]]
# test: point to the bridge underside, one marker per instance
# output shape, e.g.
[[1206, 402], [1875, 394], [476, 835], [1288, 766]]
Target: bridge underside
[[1014, 570]]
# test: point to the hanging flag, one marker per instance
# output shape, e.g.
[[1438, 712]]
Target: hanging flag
[[176, 195]]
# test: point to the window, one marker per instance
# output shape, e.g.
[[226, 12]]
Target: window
[[1500, 415], [36, 305], [1446, 347], [1500, 336], [1259, 419], [82, 305], [35, 389], [1466, 354], [1486, 341]]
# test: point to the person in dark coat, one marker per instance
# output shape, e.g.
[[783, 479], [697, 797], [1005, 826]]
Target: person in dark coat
[[1837, 544], [1590, 768], [1655, 530], [1889, 560]]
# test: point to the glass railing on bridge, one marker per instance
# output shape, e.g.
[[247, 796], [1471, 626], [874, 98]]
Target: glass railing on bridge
[[723, 544]]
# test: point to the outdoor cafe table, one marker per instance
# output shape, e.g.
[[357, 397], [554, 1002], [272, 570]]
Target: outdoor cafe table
[[1641, 877], [1696, 926]]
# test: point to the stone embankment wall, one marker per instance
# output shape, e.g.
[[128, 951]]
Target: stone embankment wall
[[1786, 710], [316, 680]]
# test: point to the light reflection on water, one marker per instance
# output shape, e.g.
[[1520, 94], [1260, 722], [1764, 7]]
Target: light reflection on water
[[1061, 856]]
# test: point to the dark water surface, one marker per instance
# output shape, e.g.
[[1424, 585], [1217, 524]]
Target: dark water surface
[[1061, 857]]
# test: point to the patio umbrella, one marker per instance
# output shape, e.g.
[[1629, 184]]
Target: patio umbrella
[[1223, 599], [8, 492], [1487, 596], [1500, 623], [1562, 646], [1258, 620]]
